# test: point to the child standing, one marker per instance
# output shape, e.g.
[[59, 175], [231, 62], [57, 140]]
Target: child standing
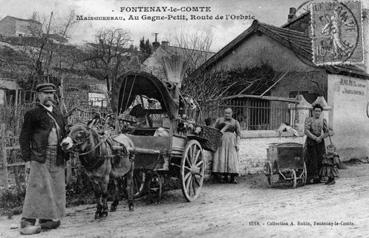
[[330, 165]]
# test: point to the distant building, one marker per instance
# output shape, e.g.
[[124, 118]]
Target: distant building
[[12, 26]]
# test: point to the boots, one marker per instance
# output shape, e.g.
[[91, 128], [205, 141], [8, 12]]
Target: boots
[[49, 224], [28, 227]]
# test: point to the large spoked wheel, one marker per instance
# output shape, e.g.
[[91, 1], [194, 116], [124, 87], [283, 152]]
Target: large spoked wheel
[[192, 170]]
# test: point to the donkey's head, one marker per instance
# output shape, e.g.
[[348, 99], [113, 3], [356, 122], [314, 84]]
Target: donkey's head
[[77, 138]]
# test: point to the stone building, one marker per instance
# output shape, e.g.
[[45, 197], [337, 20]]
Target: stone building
[[288, 50], [13, 26]]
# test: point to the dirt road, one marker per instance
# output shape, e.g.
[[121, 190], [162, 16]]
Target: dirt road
[[248, 209]]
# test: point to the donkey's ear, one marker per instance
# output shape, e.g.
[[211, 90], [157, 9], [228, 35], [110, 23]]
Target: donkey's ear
[[91, 123], [67, 127]]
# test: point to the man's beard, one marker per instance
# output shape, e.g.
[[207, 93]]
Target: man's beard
[[48, 102]]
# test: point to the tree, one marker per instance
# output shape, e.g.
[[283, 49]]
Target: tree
[[107, 58], [195, 48], [145, 49]]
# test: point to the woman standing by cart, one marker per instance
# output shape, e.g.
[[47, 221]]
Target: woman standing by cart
[[226, 157], [316, 130]]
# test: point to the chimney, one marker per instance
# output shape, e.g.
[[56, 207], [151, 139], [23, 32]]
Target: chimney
[[292, 14], [165, 43], [156, 44]]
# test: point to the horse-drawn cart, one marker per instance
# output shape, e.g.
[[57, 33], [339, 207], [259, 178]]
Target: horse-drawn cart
[[172, 146]]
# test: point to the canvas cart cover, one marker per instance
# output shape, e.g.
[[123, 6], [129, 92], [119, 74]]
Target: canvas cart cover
[[131, 84]]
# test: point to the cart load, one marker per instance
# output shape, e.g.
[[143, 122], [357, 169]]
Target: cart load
[[171, 144]]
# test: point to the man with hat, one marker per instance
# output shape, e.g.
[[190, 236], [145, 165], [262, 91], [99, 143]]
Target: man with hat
[[40, 137]]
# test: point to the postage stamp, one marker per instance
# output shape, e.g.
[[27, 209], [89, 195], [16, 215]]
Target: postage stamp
[[337, 35]]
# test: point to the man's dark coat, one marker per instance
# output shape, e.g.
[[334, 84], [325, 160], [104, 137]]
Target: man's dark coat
[[35, 133]]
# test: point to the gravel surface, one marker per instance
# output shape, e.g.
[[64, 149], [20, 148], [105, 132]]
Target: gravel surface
[[247, 209]]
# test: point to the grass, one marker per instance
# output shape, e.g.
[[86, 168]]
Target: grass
[[11, 201]]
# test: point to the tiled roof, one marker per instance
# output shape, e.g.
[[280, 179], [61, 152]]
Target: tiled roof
[[20, 19], [296, 41]]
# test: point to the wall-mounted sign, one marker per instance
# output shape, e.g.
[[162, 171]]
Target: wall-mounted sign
[[97, 99]]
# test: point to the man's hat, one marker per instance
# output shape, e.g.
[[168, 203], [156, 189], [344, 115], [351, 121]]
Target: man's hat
[[46, 88]]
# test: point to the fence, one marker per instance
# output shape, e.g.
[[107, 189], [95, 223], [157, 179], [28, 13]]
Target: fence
[[12, 167], [253, 114]]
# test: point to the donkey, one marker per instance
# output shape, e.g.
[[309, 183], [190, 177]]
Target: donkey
[[96, 154]]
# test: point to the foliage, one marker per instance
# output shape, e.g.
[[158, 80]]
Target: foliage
[[80, 190], [211, 85], [107, 58], [195, 48], [145, 49], [11, 201]]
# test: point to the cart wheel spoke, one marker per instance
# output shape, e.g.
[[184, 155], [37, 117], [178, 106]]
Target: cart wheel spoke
[[194, 182], [188, 183], [197, 182], [199, 163], [190, 153], [199, 174], [187, 176], [197, 156], [188, 161], [193, 155], [188, 168]]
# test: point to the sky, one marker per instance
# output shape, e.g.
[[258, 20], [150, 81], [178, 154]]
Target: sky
[[272, 12]]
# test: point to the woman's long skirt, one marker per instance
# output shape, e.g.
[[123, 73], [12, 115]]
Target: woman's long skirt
[[313, 158], [226, 156]]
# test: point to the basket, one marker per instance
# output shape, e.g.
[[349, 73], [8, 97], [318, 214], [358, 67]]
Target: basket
[[212, 136]]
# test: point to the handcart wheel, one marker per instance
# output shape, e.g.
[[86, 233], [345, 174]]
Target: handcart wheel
[[294, 179], [192, 170], [269, 173], [304, 175]]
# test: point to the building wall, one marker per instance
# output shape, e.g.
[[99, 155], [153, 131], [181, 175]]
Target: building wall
[[260, 49], [26, 28], [349, 116], [7, 27], [311, 82], [13, 27]]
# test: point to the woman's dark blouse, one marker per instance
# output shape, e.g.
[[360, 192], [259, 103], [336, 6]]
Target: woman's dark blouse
[[234, 125]]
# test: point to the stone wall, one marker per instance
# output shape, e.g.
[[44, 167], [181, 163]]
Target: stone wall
[[7, 27]]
